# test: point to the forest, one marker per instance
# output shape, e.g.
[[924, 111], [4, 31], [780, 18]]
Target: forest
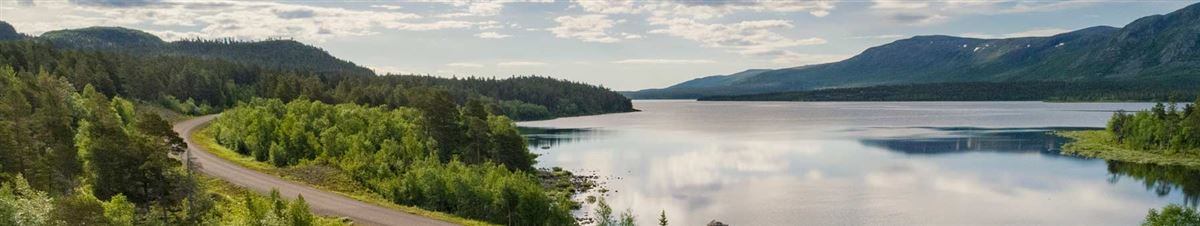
[[461, 160], [1164, 128], [990, 91], [81, 158], [206, 84], [85, 150]]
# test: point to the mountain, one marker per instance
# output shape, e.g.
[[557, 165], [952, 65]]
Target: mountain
[[99, 38], [7, 32], [699, 85], [272, 54], [1163, 48]]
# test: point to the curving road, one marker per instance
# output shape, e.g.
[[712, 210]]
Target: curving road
[[321, 202]]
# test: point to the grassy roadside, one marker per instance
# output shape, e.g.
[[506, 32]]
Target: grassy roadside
[[325, 178], [1099, 144], [232, 194]]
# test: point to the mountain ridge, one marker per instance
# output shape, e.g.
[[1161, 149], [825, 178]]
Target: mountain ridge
[[280, 54], [1163, 47]]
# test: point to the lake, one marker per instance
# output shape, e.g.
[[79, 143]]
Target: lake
[[857, 163]]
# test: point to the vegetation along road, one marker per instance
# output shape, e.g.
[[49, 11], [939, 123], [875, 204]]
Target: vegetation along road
[[322, 202]]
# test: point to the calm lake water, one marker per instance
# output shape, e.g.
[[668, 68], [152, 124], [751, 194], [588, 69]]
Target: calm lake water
[[858, 163]]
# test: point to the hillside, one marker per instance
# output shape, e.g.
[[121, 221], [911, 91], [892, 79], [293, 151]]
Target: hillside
[[274, 54], [1161, 48], [215, 74], [7, 32]]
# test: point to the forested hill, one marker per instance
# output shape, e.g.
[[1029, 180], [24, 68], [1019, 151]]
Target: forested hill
[[201, 76], [1161, 48], [8, 33], [271, 54]]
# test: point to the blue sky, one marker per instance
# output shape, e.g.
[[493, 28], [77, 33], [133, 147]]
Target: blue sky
[[624, 45]]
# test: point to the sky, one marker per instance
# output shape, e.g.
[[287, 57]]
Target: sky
[[623, 45]]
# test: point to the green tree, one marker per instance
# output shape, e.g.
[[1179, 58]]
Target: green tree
[[441, 118], [662, 218], [119, 211], [20, 204], [604, 214], [511, 149], [78, 209], [1172, 215], [627, 218], [298, 212]]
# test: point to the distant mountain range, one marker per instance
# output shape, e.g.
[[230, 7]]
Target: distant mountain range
[[1160, 49]]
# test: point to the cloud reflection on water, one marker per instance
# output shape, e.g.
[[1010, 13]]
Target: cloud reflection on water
[[855, 175]]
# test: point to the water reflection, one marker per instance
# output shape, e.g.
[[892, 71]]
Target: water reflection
[[1162, 180], [958, 140], [544, 138], [856, 164]]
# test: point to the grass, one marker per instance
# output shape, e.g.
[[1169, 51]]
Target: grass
[[1100, 144], [230, 194], [324, 177]]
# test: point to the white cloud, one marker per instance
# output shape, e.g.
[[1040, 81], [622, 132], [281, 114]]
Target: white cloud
[[387, 7], [704, 9], [211, 19], [473, 8], [796, 59], [492, 35], [936, 11], [588, 28], [664, 61], [250, 20], [885, 36], [753, 38], [611, 7], [630, 36], [520, 64], [438, 25], [899, 4], [1039, 32], [461, 64]]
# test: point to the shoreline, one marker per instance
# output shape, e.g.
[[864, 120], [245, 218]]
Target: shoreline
[[1098, 144]]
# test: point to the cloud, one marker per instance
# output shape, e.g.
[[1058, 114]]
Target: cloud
[[437, 25], [898, 4], [884, 36], [492, 35], [704, 9], [753, 38], [794, 59], [294, 14], [1039, 32], [388, 7], [210, 19], [460, 64], [520, 64], [250, 20], [611, 7], [472, 8], [935, 11], [115, 3], [916, 18], [664, 61], [588, 28]]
